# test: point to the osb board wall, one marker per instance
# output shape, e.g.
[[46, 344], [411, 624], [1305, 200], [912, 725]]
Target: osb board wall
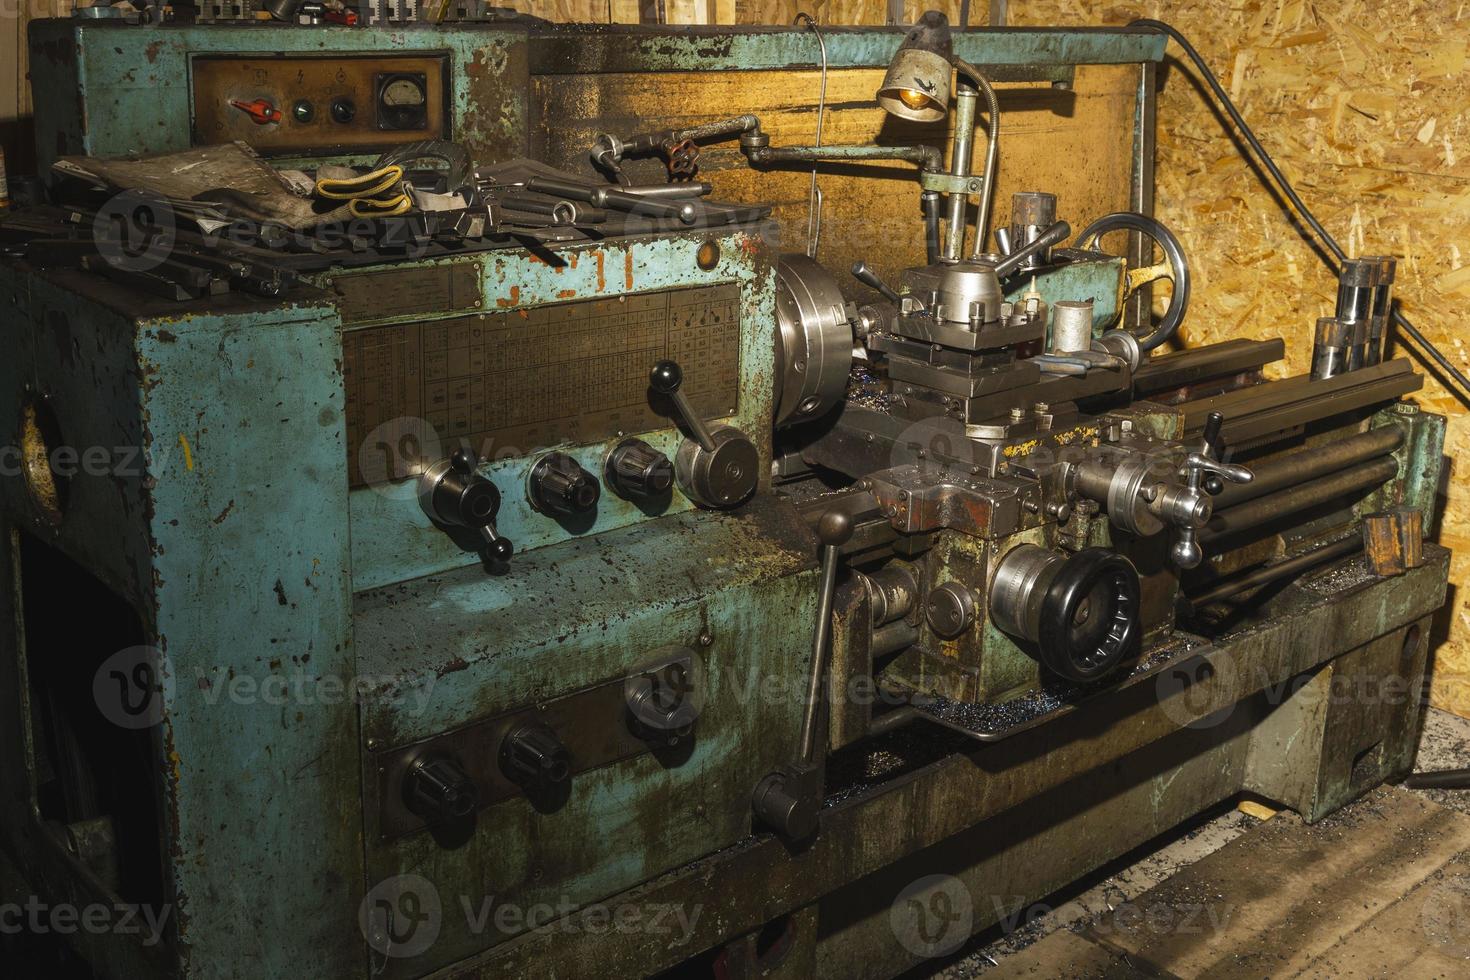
[[1363, 105], [1076, 144]]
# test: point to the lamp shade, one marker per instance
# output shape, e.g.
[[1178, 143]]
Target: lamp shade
[[917, 83]]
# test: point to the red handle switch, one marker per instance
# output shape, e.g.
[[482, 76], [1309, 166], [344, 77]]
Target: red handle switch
[[260, 110]]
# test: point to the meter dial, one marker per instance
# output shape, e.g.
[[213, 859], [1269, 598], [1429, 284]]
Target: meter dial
[[403, 101]]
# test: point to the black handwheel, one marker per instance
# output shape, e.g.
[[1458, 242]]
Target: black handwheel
[[1090, 616], [1175, 267]]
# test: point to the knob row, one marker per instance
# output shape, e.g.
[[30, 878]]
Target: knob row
[[634, 470], [454, 494]]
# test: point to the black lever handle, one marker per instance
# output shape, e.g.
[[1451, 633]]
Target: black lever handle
[[869, 278], [833, 530], [1213, 448], [452, 493], [667, 379]]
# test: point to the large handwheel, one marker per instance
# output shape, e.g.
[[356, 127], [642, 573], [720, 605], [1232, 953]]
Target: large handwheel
[[1090, 616], [1080, 613], [1174, 268]]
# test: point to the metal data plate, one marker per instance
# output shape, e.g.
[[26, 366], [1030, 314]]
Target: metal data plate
[[510, 383], [327, 104]]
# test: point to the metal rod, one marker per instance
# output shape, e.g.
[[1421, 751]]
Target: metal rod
[[992, 154], [821, 644], [1303, 497], [965, 99], [1309, 464], [926, 157], [1443, 779], [929, 206], [694, 188], [895, 719], [893, 637], [814, 195], [613, 199], [1280, 570]]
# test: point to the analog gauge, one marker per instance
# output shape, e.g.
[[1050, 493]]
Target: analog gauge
[[403, 92], [403, 101]]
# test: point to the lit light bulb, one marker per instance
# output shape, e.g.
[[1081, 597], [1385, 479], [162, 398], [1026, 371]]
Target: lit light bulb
[[913, 98]]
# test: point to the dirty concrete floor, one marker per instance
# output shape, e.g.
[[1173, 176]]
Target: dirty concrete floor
[[1067, 923]]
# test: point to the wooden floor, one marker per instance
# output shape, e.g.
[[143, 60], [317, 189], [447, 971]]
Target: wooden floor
[[1381, 889]]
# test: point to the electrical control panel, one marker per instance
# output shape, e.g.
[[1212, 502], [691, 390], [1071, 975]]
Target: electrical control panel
[[332, 104]]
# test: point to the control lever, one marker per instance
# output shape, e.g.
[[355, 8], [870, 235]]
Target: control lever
[[717, 467], [1054, 235], [790, 798], [1204, 468], [451, 492], [869, 278]]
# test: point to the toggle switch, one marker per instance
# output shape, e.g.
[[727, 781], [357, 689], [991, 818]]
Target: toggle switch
[[260, 110]]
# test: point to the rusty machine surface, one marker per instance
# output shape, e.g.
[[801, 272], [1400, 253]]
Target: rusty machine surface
[[617, 582]]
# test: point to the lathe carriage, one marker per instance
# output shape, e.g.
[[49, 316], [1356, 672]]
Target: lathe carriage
[[618, 558]]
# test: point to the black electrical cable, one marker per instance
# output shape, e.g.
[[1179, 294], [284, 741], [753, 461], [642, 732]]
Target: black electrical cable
[[1426, 348]]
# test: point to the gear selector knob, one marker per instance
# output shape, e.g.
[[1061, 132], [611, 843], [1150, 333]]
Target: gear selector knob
[[454, 494], [559, 486]]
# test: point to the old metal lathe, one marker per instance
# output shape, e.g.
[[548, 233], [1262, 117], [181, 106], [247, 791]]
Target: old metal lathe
[[714, 480]]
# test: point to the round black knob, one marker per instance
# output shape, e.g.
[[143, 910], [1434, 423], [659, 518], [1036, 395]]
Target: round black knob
[[501, 549], [834, 528], [533, 757], [437, 790], [559, 485], [636, 470], [343, 110], [666, 378]]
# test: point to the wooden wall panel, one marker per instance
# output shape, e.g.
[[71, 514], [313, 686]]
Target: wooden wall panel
[[15, 91]]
